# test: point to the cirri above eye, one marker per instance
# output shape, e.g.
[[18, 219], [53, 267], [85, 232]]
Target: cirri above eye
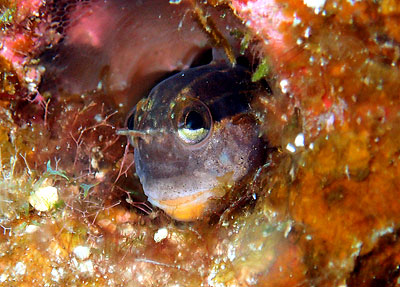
[[198, 136]]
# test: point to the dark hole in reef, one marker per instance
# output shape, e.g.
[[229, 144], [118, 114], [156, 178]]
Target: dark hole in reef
[[379, 267], [251, 62], [165, 76], [243, 61], [130, 122], [203, 58], [266, 86], [194, 121]]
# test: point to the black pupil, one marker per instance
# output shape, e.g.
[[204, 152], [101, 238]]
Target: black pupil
[[194, 121]]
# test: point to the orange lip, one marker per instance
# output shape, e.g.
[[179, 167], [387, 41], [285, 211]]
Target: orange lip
[[188, 208]]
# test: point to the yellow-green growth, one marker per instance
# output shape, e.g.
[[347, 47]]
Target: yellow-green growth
[[7, 13], [262, 70]]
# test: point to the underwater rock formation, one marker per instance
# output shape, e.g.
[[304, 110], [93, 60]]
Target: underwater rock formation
[[323, 210]]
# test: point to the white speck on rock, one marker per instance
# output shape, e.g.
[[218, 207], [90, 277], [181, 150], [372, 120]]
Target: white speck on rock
[[55, 275], [161, 234], [3, 277], [290, 147], [296, 21], [20, 268], [44, 198], [329, 122], [86, 266], [98, 118], [231, 252], [74, 262], [284, 85], [307, 34], [82, 252], [317, 5], [299, 140], [31, 228]]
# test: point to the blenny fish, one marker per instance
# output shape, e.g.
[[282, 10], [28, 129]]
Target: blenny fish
[[194, 136]]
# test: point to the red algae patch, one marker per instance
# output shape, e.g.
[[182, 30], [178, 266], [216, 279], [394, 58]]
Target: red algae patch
[[322, 210]]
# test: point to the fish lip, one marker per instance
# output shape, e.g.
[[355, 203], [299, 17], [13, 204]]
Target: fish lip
[[201, 196], [195, 194], [185, 208]]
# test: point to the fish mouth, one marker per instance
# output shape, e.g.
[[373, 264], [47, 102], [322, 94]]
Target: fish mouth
[[188, 208]]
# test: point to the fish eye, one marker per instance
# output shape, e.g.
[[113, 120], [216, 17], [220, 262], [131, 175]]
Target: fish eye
[[194, 122]]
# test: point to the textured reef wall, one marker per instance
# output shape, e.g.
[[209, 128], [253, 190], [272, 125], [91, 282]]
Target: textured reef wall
[[324, 208]]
